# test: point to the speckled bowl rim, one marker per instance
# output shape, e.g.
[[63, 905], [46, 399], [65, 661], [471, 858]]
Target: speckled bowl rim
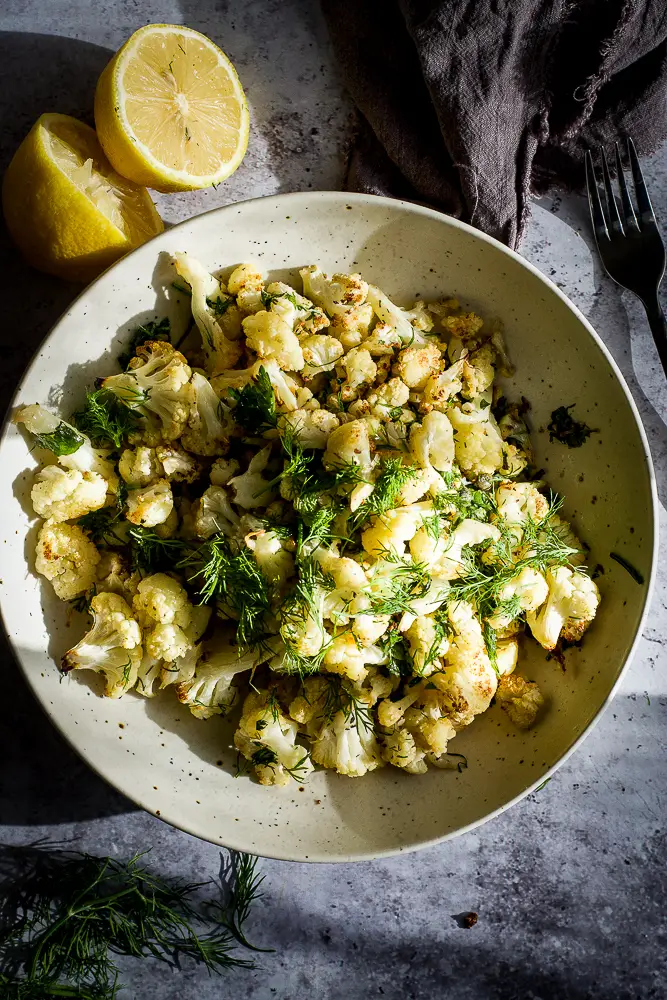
[[345, 198]]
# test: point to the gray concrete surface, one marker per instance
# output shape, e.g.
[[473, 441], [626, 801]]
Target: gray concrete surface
[[570, 884]]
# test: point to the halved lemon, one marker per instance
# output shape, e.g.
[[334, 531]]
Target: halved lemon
[[170, 111], [66, 208]]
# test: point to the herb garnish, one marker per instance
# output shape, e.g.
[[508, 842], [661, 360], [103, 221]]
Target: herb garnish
[[235, 580], [100, 524], [151, 553], [105, 420], [564, 428], [64, 440], [64, 914], [154, 330], [392, 478], [634, 573], [255, 406]]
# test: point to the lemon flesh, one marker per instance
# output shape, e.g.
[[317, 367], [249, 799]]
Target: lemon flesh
[[170, 111], [66, 208]]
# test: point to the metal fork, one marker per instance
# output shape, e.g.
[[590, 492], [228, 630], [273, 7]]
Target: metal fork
[[629, 243]]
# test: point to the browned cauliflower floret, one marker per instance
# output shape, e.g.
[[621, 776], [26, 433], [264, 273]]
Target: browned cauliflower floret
[[522, 700], [416, 365]]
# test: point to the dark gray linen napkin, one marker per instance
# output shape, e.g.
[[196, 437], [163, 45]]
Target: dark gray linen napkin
[[472, 105]]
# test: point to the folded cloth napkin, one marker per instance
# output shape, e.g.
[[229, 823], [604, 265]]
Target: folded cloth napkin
[[472, 105]]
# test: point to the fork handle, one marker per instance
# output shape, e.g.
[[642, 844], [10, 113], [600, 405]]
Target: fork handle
[[658, 324]]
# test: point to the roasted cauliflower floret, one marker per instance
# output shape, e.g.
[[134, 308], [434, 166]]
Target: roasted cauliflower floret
[[64, 494], [353, 325], [247, 284], [112, 647], [568, 610], [432, 442], [399, 748], [320, 354], [347, 657], [210, 424], [150, 506], [478, 446], [178, 465], [270, 336], [387, 398], [416, 365], [428, 643], [469, 681], [251, 489], [359, 368], [348, 445], [160, 599], [397, 318], [156, 386], [222, 470], [275, 562], [522, 700], [211, 690], [347, 744], [478, 371], [440, 390], [267, 738], [311, 428], [67, 558], [216, 314], [213, 514], [139, 466], [336, 295]]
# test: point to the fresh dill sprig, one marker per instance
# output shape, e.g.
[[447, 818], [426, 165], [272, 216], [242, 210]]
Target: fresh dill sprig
[[339, 698], [220, 306], [255, 408], [407, 582], [154, 330], [393, 645], [152, 554], [105, 420], [236, 581], [268, 298], [303, 602], [564, 428], [64, 914], [264, 756], [64, 440], [81, 603], [391, 480], [100, 524]]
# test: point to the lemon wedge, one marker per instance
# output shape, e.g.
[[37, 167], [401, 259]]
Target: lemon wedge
[[170, 111], [66, 208]]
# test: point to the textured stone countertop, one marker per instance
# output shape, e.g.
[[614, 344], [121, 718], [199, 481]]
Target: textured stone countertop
[[570, 884]]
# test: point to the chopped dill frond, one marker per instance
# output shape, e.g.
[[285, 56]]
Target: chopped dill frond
[[155, 330], [255, 406], [105, 419], [391, 480]]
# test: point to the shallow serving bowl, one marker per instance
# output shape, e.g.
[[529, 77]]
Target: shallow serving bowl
[[182, 769]]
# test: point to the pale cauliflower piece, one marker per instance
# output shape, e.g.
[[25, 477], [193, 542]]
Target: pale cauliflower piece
[[348, 444], [389, 396], [222, 471], [522, 700], [64, 494], [270, 336], [469, 681], [432, 443], [346, 657], [389, 313], [478, 371], [311, 428], [391, 530], [178, 466], [320, 354], [444, 556], [211, 689], [569, 609], [348, 745], [400, 749], [336, 295], [247, 284], [67, 558], [416, 365], [160, 599], [352, 326], [112, 647], [156, 385], [427, 644], [73, 448], [383, 341], [250, 488], [214, 514], [440, 389], [139, 466], [360, 369], [209, 422], [529, 588], [216, 315], [478, 445], [275, 562], [267, 738], [151, 505]]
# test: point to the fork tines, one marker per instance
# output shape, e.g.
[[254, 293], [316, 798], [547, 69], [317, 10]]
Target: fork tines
[[626, 220]]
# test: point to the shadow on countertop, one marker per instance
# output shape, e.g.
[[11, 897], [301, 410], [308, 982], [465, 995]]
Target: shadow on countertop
[[42, 780]]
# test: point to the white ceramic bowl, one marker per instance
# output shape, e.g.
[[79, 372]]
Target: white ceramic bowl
[[179, 768]]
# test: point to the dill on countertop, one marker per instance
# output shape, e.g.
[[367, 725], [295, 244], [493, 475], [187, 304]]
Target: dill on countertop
[[64, 914], [564, 428]]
